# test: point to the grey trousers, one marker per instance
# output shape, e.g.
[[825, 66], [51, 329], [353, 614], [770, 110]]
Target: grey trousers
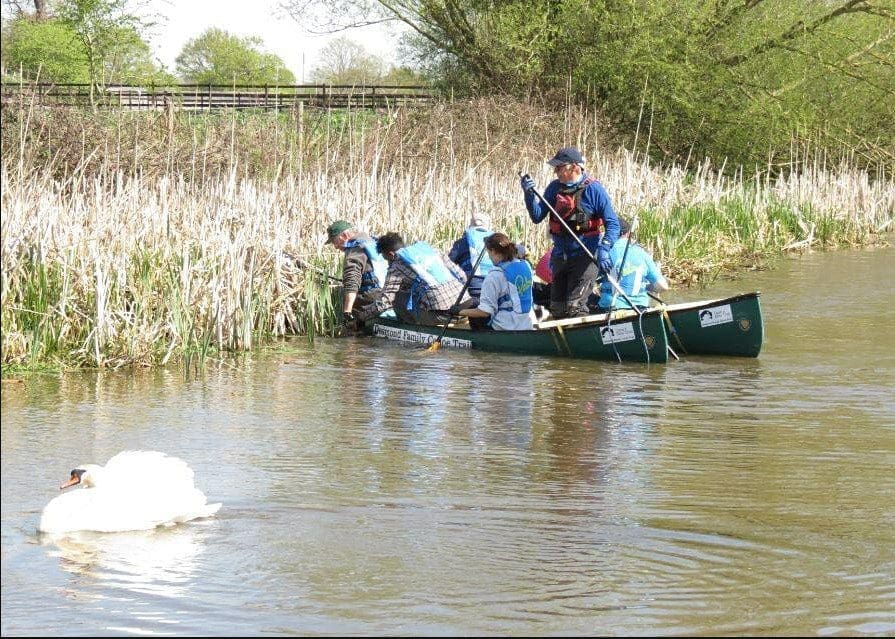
[[573, 281]]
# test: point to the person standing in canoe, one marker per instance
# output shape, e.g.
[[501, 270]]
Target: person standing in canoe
[[506, 299], [467, 248], [421, 283], [636, 272], [363, 269], [584, 205]]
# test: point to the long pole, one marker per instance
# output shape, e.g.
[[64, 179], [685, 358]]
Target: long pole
[[608, 276], [434, 346], [621, 266], [300, 263], [665, 315]]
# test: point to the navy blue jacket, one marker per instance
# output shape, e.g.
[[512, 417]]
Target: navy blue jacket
[[594, 201]]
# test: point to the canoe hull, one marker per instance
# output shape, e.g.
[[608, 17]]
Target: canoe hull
[[731, 326], [630, 339]]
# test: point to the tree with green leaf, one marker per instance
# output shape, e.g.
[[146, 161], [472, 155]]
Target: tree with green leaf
[[106, 30], [734, 79], [43, 50], [219, 57]]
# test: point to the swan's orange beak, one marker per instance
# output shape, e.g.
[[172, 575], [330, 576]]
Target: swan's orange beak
[[75, 479]]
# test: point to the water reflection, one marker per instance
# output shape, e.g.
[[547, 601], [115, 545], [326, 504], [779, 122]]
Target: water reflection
[[376, 489], [159, 562]]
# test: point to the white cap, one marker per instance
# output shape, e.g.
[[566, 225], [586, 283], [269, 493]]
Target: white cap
[[480, 219]]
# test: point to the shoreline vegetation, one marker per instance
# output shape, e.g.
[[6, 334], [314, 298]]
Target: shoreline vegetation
[[142, 238]]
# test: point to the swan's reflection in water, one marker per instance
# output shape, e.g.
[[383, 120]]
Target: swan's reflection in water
[[160, 562]]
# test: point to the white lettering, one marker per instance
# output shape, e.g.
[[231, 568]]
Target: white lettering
[[415, 337]]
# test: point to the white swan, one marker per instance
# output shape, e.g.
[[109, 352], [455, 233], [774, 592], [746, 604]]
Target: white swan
[[135, 490]]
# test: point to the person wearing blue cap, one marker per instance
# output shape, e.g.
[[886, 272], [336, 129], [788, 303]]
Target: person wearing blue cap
[[585, 208]]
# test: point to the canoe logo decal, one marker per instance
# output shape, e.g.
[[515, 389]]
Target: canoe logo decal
[[415, 337], [715, 315], [617, 333], [650, 341], [745, 324]]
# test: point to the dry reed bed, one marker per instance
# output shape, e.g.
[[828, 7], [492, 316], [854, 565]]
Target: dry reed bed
[[107, 268]]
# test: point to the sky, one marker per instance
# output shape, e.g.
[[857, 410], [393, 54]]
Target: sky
[[183, 20]]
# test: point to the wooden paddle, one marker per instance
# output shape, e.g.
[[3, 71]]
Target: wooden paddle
[[434, 346]]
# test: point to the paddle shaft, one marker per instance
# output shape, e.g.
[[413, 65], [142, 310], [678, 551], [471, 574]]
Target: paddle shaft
[[625, 255], [621, 265], [574, 235], [671, 328], [460, 296]]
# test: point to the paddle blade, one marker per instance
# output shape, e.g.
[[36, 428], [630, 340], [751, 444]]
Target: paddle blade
[[434, 346]]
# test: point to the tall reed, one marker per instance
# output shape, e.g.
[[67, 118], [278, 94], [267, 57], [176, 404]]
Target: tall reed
[[135, 244]]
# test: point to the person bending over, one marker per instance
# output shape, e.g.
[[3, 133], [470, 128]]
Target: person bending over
[[421, 283]]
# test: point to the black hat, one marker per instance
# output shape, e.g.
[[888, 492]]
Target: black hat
[[566, 155], [623, 226]]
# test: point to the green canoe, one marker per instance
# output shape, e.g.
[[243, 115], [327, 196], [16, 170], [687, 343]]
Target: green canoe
[[627, 339], [730, 326]]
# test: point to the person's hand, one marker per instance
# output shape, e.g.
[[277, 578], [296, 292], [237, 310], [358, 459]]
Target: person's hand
[[455, 310], [528, 184], [603, 259], [350, 323]]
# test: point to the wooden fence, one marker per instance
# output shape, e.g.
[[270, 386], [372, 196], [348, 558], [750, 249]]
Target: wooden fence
[[207, 97]]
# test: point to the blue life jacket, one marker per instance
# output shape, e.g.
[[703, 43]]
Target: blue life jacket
[[376, 277], [639, 271], [475, 239], [430, 270], [519, 275]]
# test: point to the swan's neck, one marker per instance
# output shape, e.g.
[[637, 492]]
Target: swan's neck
[[92, 476]]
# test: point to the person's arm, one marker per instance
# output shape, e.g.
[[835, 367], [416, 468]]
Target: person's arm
[[455, 255], [393, 279], [490, 293], [657, 281], [352, 273], [474, 312], [595, 201], [536, 210]]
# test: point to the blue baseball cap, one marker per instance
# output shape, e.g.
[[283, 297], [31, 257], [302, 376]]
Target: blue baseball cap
[[566, 155]]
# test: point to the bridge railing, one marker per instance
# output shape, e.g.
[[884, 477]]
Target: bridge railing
[[209, 97]]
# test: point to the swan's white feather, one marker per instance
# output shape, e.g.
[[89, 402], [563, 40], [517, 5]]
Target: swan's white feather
[[136, 490]]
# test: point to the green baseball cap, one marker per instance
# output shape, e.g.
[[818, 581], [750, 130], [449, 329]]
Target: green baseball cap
[[337, 227]]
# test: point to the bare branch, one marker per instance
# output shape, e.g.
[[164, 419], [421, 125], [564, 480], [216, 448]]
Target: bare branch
[[800, 29]]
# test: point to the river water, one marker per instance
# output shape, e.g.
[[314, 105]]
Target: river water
[[370, 488]]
